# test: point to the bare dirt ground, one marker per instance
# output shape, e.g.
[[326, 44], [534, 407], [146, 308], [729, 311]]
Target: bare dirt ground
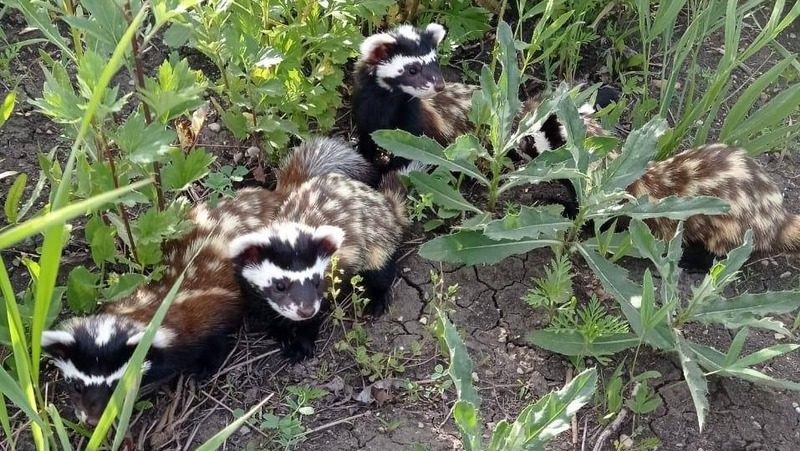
[[488, 311]]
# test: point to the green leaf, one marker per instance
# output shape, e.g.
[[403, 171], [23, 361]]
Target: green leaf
[[178, 89], [101, 240], [714, 361], [14, 196], [125, 285], [747, 309], [736, 115], [12, 391], [32, 227], [466, 417], [672, 207], [465, 411], [539, 423], [236, 122], [695, 379], [38, 18], [574, 344], [737, 257], [531, 222], [442, 193], [427, 151], [771, 114], [82, 289], [472, 248], [7, 107], [638, 150], [144, 143], [184, 169]]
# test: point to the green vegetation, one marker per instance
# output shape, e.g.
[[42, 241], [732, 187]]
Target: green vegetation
[[275, 71]]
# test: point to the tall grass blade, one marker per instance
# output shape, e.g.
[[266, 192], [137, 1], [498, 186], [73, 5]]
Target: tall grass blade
[[54, 235], [219, 438], [736, 115], [56, 217], [61, 432]]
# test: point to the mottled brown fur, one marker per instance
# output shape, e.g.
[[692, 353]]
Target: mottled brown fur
[[209, 299], [728, 173], [445, 115]]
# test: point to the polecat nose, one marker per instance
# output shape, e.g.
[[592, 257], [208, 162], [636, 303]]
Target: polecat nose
[[438, 85], [306, 311]]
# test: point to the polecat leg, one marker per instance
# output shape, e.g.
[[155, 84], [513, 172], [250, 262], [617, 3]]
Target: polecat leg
[[696, 258], [377, 284], [297, 338]]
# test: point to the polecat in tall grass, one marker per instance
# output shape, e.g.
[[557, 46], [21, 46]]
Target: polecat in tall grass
[[93, 352], [399, 85], [282, 267], [728, 173]]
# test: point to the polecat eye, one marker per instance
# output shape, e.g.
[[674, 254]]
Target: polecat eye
[[316, 281], [280, 286], [413, 70]]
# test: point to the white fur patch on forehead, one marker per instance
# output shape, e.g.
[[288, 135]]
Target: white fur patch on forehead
[[51, 337], [396, 66], [103, 329], [408, 32], [162, 338], [437, 32], [265, 273], [286, 231], [375, 42]]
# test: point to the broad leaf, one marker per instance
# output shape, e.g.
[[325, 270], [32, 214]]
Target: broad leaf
[[474, 248], [672, 207], [531, 222], [442, 193], [184, 169], [424, 150], [82, 290], [537, 424], [747, 309], [144, 143], [638, 150], [573, 343], [714, 361], [695, 379]]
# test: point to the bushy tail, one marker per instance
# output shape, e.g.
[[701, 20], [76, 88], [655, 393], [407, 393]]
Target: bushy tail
[[392, 188], [319, 156], [790, 235]]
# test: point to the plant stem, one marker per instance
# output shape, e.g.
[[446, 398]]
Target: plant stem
[[148, 117], [69, 9], [103, 146]]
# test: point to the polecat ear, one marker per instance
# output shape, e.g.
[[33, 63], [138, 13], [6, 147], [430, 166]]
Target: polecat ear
[[249, 249], [330, 239], [377, 47], [437, 33], [57, 343]]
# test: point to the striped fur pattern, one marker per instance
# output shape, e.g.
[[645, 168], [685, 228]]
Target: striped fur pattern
[[92, 352], [282, 266], [550, 134], [399, 85], [726, 172]]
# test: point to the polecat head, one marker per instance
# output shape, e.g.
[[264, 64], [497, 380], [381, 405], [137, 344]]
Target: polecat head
[[285, 265], [404, 59], [92, 354]]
